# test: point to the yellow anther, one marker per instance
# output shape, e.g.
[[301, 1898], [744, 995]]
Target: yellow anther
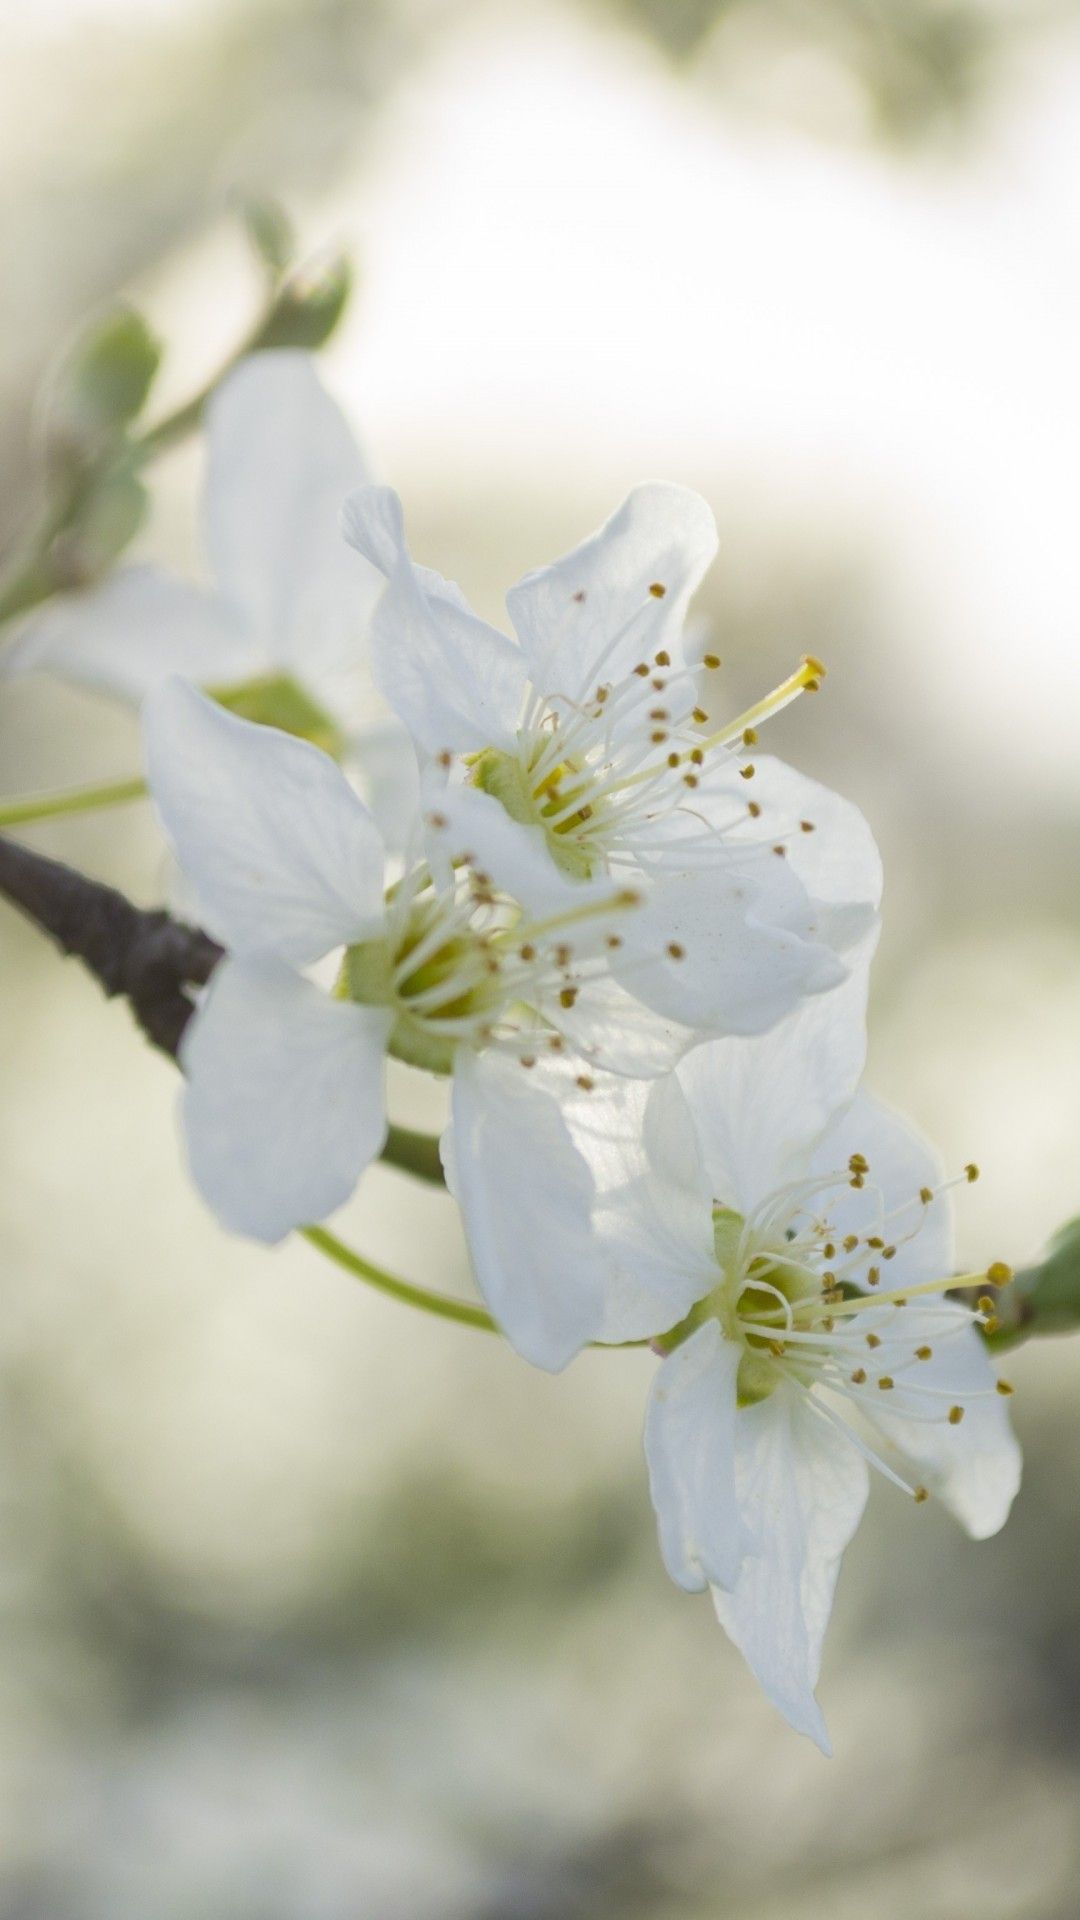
[[747, 772], [662, 659], [926, 1194], [971, 1172], [673, 759], [1004, 1387], [753, 809], [873, 1275], [585, 1083], [999, 1274], [711, 660], [986, 1305], [924, 1353], [859, 1163], [700, 716], [657, 590], [921, 1495], [857, 1180], [851, 1241], [807, 826], [568, 996], [675, 952], [829, 1252], [613, 940], [873, 1340], [749, 736], [859, 1376], [690, 780], [642, 669], [888, 1253], [886, 1383], [815, 665], [528, 1060], [956, 1414], [991, 1323]]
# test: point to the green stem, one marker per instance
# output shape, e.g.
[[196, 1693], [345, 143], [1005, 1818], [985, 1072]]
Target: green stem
[[389, 1283], [423, 1297], [50, 806], [415, 1153]]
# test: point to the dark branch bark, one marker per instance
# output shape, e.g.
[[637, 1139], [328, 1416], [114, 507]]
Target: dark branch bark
[[147, 957]]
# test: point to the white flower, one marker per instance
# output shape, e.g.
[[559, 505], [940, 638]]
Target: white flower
[[284, 1103], [790, 1246], [283, 631], [589, 734]]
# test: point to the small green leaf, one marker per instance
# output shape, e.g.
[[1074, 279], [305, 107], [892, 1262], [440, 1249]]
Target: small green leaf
[[271, 234], [102, 385], [308, 308]]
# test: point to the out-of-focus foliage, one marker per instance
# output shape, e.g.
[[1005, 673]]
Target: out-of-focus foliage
[[922, 66], [1044, 1298]]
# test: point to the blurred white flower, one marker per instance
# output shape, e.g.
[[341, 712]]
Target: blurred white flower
[[788, 1242], [588, 732], [282, 634]]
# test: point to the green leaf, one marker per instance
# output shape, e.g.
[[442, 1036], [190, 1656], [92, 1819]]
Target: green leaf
[[102, 385], [308, 308], [271, 234], [1044, 1298], [107, 516]]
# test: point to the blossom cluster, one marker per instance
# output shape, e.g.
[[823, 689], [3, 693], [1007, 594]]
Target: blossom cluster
[[547, 866]]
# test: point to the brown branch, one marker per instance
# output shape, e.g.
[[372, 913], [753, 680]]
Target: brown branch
[[149, 958]]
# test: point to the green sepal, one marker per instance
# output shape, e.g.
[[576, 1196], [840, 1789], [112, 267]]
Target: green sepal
[[1043, 1298], [277, 700], [307, 308], [101, 387]]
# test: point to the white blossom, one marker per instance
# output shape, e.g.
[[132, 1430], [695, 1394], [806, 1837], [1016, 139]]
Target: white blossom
[[787, 1244], [282, 630], [588, 732]]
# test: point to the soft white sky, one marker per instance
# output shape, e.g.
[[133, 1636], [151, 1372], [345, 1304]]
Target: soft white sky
[[570, 265]]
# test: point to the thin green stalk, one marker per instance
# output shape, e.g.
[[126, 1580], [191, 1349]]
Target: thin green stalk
[[389, 1283], [50, 806], [423, 1297]]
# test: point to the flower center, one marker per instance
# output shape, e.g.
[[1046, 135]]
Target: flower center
[[597, 769], [466, 965], [277, 700], [807, 1305]]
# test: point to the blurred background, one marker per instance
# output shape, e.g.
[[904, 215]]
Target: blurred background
[[313, 1610]]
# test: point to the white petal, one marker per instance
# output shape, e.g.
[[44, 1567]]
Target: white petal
[[281, 460], [383, 763], [456, 683], [653, 1208], [569, 615], [732, 952], [526, 1196], [801, 1491], [283, 856], [761, 1104], [134, 631], [617, 1033], [829, 843], [902, 1164], [973, 1468], [284, 1105], [690, 1448]]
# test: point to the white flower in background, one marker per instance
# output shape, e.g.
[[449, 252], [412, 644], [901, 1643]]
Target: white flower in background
[[282, 633], [447, 970], [788, 1247], [589, 733]]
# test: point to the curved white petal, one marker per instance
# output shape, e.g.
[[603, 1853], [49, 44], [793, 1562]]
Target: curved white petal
[[457, 683], [283, 1107], [460, 819], [525, 1195], [383, 763], [131, 633], [690, 1448], [615, 1032], [280, 462], [801, 1492], [731, 952], [595, 611], [653, 1208], [283, 856], [972, 1467], [761, 1104]]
